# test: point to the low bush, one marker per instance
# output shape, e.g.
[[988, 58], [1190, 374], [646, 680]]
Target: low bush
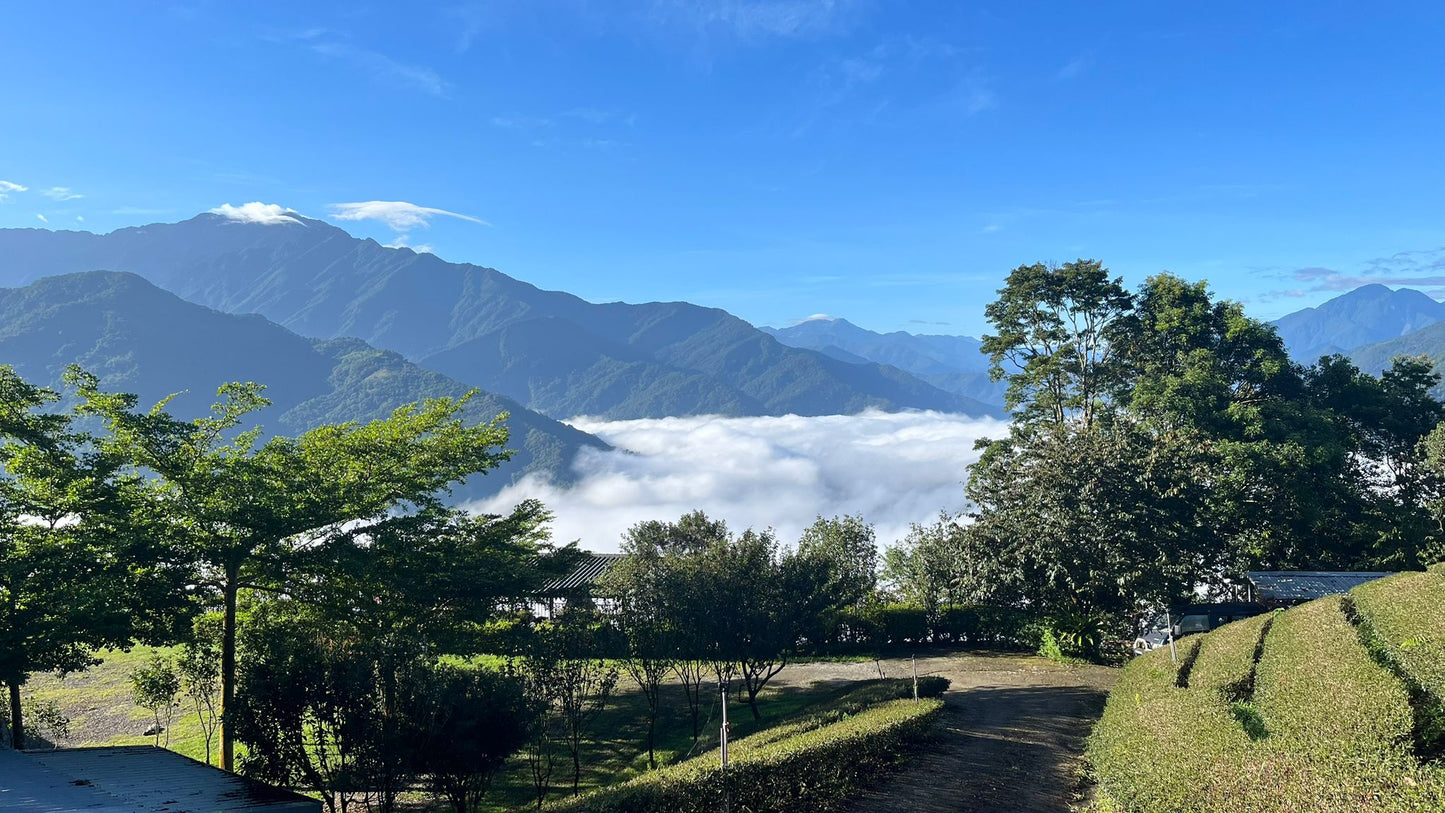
[[806, 770]]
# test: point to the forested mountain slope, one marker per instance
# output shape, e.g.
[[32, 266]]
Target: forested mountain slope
[[549, 350], [141, 339]]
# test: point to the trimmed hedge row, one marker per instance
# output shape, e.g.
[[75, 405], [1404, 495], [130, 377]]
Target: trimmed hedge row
[[1334, 736], [1323, 695], [1226, 656], [1408, 613], [874, 628], [810, 770]]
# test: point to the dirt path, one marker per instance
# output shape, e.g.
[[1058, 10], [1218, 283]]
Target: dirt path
[[1009, 739]]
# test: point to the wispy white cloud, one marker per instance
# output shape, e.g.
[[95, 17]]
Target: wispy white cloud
[[1411, 269], [398, 214], [266, 214], [42, 218], [893, 468], [382, 68], [80, 218], [9, 187], [751, 20], [61, 193], [1074, 67], [403, 241], [519, 121]]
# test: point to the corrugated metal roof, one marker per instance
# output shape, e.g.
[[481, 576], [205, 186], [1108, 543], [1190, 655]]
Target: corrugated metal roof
[[587, 572], [135, 779], [1294, 586]]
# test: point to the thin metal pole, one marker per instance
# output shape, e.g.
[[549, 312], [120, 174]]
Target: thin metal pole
[[723, 749], [915, 678], [723, 739], [1169, 623]]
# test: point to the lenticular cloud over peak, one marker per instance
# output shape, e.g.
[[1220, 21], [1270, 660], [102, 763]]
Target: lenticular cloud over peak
[[267, 214], [779, 472]]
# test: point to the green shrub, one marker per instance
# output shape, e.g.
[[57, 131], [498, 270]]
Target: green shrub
[[809, 770], [902, 624]]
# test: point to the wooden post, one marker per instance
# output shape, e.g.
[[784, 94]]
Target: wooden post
[[915, 678]]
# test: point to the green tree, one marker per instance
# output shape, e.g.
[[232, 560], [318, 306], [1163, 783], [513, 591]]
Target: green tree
[[462, 725], [1054, 333], [662, 567], [245, 507], [156, 687], [834, 568], [79, 568], [200, 667], [639, 584], [584, 678], [1086, 523], [922, 568], [308, 709]]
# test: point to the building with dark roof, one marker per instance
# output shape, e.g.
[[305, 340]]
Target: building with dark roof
[[133, 779], [1286, 588], [576, 585]]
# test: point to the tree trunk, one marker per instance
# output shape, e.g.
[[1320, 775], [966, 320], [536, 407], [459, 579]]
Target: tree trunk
[[228, 667], [17, 720], [652, 726]]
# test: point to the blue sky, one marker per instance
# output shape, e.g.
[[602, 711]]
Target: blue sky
[[886, 162]]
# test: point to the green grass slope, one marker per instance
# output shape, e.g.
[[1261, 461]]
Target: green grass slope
[[1318, 708]]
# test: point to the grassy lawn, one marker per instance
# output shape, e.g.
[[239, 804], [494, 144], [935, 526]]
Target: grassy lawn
[[98, 702]]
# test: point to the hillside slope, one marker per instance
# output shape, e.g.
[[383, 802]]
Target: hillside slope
[[141, 339], [318, 280]]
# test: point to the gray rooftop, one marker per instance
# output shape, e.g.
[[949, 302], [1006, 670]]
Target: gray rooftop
[[133, 779], [1293, 586], [592, 567]]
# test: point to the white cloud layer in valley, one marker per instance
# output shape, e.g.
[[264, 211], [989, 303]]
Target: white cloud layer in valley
[[893, 468]]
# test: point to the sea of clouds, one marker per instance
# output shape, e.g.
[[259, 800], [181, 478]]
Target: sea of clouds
[[780, 472]]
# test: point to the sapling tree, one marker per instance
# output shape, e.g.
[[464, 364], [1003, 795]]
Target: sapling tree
[[200, 668], [156, 687]]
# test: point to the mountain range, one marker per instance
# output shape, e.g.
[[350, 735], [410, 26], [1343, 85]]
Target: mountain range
[[952, 363], [141, 339], [1364, 316], [343, 329], [550, 351]]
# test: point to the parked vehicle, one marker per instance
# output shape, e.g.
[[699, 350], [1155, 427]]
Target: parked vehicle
[[1194, 618]]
